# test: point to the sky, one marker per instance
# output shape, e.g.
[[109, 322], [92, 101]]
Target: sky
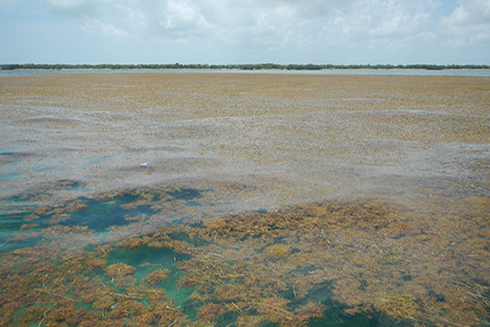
[[245, 31]]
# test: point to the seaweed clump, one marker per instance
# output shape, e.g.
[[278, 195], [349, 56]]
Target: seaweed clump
[[281, 268], [155, 277], [119, 270], [71, 292]]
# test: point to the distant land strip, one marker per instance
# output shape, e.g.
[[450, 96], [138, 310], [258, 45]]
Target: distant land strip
[[266, 66]]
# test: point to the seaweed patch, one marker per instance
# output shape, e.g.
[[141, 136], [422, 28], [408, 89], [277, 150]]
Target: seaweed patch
[[289, 267]]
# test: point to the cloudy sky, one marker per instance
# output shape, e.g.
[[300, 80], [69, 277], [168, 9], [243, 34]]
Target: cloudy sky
[[245, 31]]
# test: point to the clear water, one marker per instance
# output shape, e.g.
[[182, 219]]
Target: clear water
[[103, 215]]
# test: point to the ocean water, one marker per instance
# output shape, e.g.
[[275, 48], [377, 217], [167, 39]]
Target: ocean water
[[409, 72], [244, 200]]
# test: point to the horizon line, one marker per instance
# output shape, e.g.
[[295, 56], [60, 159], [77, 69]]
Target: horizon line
[[261, 66]]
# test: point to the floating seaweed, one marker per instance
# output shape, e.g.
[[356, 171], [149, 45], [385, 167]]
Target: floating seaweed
[[155, 277], [416, 255], [284, 268]]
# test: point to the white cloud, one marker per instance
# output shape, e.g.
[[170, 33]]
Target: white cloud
[[171, 18], [283, 25], [273, 24], [106, 30], [179, 17], [379, 24], [468, 24]]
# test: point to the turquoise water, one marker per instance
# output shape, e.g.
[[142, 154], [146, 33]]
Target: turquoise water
[[96, 215], [334, 314], [99, 215], [145, 258], [206, 263], [40, 170], [6, 157], [10, 176], [11, 223]]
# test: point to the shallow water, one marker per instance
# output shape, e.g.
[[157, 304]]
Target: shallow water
[[423, 72], [244, 199]]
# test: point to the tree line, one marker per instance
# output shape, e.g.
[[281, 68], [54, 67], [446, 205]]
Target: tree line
[[265, 66]]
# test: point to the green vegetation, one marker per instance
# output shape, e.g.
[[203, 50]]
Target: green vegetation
[[236, 66]]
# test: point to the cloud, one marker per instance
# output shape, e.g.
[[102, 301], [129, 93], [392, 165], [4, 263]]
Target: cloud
[[170, 18], [330, 23], [274, 24], [249, 22], [103, 29], [468, 24], [181, 16], [283, 24], [378, 24], [393, 31]]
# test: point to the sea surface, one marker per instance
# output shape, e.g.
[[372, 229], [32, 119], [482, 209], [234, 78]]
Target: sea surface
[[231, 198], [416, 72]]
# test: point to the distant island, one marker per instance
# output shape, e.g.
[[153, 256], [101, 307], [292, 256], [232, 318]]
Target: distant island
[[267, 66]]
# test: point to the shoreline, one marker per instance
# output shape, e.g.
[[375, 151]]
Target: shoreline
[[335, 71]]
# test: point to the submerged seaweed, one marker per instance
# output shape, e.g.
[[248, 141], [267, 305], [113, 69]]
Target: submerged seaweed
[[286, 268]]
